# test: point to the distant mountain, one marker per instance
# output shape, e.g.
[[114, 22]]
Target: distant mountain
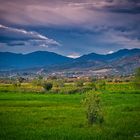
[[122, 61], [109, 57], [32, 60], [126, 65], [99, 60]]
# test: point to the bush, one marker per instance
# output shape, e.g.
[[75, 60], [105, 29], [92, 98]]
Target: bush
[[47, 86], [93, 108]]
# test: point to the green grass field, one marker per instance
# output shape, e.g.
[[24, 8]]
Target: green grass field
[[28, 116]]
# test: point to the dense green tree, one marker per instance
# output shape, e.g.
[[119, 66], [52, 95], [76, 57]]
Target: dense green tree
[[93, 108], [47, 86]]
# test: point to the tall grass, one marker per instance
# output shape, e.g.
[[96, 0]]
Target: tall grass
[[62, 117]]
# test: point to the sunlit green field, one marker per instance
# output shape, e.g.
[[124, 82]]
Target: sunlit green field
[[35, 116], [69, 88]]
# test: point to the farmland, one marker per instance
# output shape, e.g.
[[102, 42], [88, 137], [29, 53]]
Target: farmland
[[28, 114]]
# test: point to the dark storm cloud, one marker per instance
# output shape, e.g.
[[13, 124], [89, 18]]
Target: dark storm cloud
[[123, 6], [66, 12], [81, 26]]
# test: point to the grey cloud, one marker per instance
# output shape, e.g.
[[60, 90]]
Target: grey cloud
[[8, 34], [66, 12]]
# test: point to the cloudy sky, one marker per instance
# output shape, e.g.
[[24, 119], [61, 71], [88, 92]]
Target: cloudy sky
[[69, 27]]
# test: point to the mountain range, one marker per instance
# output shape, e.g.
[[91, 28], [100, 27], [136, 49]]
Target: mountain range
[[124, 60], [37, 59]]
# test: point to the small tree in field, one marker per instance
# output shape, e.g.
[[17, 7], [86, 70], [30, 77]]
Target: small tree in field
[[93, 108], [47, 86], [137, 78]]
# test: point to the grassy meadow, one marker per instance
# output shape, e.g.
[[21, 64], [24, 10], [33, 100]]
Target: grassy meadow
[[27, 113]]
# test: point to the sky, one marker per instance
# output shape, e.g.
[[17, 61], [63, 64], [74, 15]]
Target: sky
[[69, 27]]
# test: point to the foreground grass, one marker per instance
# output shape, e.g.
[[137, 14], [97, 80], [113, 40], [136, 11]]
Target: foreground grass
[[62, 117]]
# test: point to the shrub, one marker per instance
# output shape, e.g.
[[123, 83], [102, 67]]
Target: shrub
[[93, 108], [47, 86]]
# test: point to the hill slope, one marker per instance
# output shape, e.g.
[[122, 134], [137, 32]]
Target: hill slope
[[124, 61], [31, 60]]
